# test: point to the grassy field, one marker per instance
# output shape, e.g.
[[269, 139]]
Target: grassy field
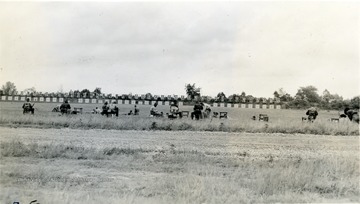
[[88, 158], [112, 166], [235, 113], [281, 121]]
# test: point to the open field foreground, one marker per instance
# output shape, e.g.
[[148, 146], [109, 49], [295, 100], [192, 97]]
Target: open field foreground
[[117, 166]]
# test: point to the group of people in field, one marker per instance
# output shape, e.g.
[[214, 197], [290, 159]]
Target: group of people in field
[[111, 109], [200, 111], [351, 114], [174, 111], [64, 108]]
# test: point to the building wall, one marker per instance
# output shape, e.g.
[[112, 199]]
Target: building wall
[[53, 99]]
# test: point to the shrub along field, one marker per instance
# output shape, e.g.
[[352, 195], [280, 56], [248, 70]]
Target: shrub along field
[[280, 121]]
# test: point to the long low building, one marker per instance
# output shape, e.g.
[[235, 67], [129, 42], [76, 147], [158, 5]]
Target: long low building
[[140, 101]]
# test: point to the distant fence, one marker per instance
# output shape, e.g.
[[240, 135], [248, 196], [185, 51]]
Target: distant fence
[[139, 101]]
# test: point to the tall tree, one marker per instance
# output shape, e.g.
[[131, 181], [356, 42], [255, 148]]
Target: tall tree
[[97, 91], [233, 98], [298, 103], [326, 96], [282, 92], [192, 90], [276, 94], [148, 96], [308, 93], [355, 102], [9, 88], [282, 95], [250, 98], [76, 93], [85, 93], [220, 96], [31, 90], [286, 98]]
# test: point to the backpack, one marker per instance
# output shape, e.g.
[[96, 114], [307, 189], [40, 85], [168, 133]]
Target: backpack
[[27, 106]]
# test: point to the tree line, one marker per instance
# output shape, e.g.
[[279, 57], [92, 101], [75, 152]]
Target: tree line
[[304, 98]]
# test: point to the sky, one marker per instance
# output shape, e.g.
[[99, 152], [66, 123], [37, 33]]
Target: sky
[[158, 47]]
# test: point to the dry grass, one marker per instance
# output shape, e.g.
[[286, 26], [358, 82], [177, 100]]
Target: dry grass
[[320, 127], [281, 121], [319, 170], [86, 159]]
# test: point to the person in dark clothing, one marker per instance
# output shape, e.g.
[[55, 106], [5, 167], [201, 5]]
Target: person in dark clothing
[[105, 109], [353, 115], [197, 114], [312, 114], [65, 107], [136, 109], [114, 110], [27, 107], [174, 111]]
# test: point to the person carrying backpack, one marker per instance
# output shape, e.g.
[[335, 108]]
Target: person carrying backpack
[[197, 113], [65, 107], [105, 109], [312, 114], [27, 107]]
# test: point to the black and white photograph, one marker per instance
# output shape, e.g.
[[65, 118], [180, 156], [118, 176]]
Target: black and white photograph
[[158, 102]]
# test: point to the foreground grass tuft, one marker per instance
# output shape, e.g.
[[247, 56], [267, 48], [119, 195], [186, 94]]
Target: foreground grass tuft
[[180, 176]]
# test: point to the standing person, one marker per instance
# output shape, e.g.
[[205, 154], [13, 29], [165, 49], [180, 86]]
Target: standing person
[[114, 109], [136, 109], [65, 107], [174, 110], [207, 110], [27, 107], [197, 111], [154, 111], [105, 109], [312, 114]]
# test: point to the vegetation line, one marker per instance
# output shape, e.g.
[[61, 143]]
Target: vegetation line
[[319, 128]]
